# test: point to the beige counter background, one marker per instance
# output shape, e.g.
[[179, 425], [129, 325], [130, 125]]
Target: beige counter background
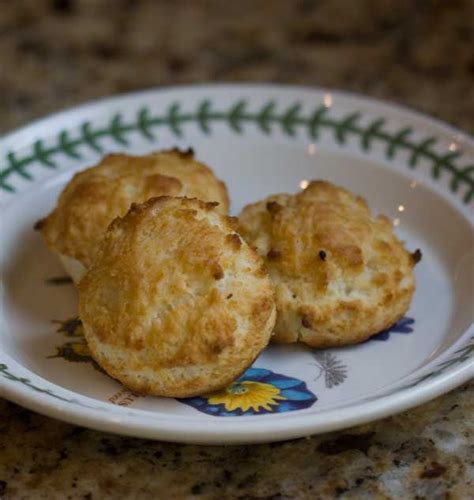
[[54, 54]]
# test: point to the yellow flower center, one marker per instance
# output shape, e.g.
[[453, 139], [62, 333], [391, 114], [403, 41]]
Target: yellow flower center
[[247, 395]]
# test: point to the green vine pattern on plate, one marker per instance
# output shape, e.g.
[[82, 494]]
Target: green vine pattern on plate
[[460, 356], [4, 371], [267, 118]]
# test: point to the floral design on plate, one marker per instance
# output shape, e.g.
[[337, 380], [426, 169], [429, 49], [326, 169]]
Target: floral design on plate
[[334, 370], [75, 350], [257, 392], [403, 325]]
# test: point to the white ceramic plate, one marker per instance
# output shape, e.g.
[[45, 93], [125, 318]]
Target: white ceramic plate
[[260, 139]]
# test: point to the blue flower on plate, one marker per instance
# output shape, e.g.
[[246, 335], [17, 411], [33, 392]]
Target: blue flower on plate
[[403, 325], [257, 392]]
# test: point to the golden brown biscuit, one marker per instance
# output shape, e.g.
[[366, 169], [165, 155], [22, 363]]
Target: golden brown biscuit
[[95, 196], [176, 303], [340, 275]]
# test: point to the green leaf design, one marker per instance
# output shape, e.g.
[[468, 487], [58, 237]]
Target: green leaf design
[[423, 149], [18, 166], [67, 146], [443, 161], [6, 187], [117, 130], [204, 116], [90, 137], [291, 119], [466, 174], [42, 154], [144, 124], [460, 356], [346, 126], [174, 119], [317, 121], [13, 166], [237, 116], [265, 117], [399, 140], [373, 131], [5, 373]]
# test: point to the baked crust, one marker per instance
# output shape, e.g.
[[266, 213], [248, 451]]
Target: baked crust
[[340, 275], [95, 196], [176, 303]]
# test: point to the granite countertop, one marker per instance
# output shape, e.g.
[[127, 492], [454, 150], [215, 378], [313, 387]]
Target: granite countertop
[[58, 53]]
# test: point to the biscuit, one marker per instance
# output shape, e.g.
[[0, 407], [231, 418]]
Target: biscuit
[[176, 303], [340, 275], [95, 196]]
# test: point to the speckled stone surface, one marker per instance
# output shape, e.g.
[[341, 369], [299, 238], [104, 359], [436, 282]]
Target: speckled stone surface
[[54, 54]]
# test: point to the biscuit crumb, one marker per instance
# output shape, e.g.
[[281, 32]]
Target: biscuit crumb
[[305, 321], [273, 254], [39, 224], [261, 271], [234, 240], [273, 207], [217, 272], [416, 256], [233, 221], [184, 153], [135, 207]]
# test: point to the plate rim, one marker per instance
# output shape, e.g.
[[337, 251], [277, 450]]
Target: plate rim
[[249, 85], [127, 423], [378, 408]]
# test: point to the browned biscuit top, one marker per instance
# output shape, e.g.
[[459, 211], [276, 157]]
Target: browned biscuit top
[[176, 302], [95, 196], [340, 274]]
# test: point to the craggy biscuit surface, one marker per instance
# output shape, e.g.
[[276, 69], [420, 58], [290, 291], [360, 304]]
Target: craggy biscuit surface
[[95, 196], [340, 275], [176, 303]]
